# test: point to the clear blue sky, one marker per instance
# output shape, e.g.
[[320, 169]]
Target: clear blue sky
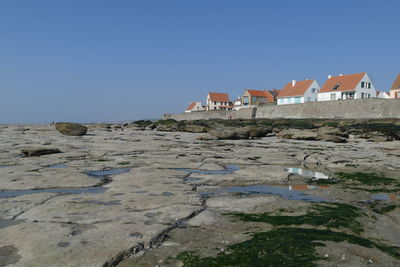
[[95, 60]]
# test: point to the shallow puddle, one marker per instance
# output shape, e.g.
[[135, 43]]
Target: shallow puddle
[[227, 170], [66, 191], [272, 190], [101, 174], [385, 197], [307, 187], [97, 202], [58, 166], [8, 255], [8, 222], [307, 173]]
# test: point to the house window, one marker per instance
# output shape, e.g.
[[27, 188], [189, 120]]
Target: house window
[[245, 100], [314, 90], [215, 107], [333, 96], [254, 99], [215, 103], [369, 85], [362, 84], [362, 95], [336, 86]]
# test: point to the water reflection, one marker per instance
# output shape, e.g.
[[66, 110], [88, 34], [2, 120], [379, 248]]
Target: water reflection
[[227, 170], [285, 192], [101, 174], [307, 173]]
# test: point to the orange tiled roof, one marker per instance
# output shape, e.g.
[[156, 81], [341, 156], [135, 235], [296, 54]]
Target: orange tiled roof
[[396, 84], [260, 93], [343, 83], [191, 106], [297, 90], [219, 97]]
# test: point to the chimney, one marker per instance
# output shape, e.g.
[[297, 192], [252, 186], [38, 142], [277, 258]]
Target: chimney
[[293, 83], [329, 76]]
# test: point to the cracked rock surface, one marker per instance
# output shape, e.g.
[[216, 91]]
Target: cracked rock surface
[[52, 213]]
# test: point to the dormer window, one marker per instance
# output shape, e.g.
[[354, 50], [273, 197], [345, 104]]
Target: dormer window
[[336, 86]]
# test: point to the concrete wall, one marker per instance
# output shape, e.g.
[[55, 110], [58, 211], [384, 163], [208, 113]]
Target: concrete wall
[[245, 113], [351, 109]]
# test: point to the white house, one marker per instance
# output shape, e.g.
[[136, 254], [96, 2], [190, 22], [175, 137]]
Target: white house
[[194, 106], [351, 86], [382, 94], [395, 90], [218, 101], [298, 92], [237, 104]]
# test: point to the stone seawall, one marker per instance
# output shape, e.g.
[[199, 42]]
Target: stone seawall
[[347, 109], [246, 113]]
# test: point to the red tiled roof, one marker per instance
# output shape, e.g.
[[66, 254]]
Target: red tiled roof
[[191, 106], [297, 90], [219, 97], [343, 83], [260, 93], [396, 84]]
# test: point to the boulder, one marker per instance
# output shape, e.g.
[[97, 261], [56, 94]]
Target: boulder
[[257, 130], [224, 132], [166, 128], [333, 131], [39, 151], [68, 128], [298, 134], [195, 129], [238, 132]]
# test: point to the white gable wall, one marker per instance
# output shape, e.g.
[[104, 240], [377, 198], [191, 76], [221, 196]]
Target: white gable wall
[[308, 96], [337, 95], [366, 91]]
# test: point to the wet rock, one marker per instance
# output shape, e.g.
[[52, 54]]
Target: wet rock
[[63, 244], [206, 137], [39, 151], [8, 255], [73, 129], [331, 138], [136, 235]]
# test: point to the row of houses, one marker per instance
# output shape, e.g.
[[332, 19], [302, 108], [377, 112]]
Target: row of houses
[[341, 87]]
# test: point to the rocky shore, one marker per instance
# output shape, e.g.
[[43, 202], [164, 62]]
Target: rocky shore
[[201, 193]]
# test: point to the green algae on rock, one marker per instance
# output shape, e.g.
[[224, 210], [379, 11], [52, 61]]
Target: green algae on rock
[[281, 247], [335, 215]]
